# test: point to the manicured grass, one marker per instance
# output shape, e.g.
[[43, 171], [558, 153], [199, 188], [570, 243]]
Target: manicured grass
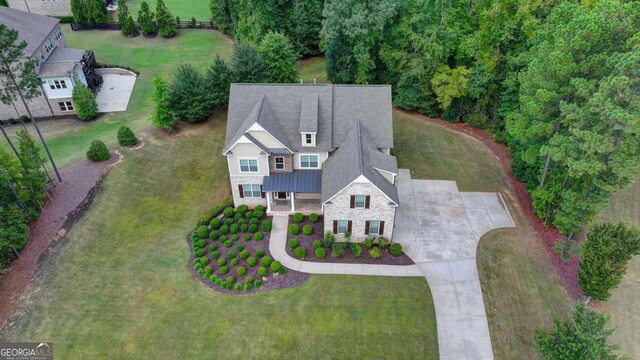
[[185, 9], [313, 68], [119, 285], [68, 139], [520, 288]]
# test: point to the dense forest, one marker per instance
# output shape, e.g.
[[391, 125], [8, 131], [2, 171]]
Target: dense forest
[[557, 81]]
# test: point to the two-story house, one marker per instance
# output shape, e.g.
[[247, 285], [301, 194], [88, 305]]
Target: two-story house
[[315, 148], [57, 65]]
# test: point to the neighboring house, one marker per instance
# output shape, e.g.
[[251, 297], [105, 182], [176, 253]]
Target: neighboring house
[[315, 148], [42, 7], [57, 64]]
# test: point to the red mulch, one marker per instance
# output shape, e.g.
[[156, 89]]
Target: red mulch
[[567, 270], [69, 200], [347, 258]]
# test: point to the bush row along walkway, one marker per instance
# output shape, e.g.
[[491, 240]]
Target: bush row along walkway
[[277, 247]]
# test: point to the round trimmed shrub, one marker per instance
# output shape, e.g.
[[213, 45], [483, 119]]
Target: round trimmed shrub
[[307, 229], [215, 223], [251, 261], [259, 207], [258, 214], [241, 270], [293, 243], [204, 260], [316, 244], [228, 243], [98, 151], [260, 253], [297, 218], [222, 261], [237, 216], [266, 225], [244, 254], [199, 244], [126, 137], [240, 247], [200, 252], [257, 283], [223, 269], [215, 255], [275, 266], [197, 265], [208, 270], [222, 239], [262, 271], [248, 214], [313, 217], [224, 229], [246, 237], [300, 252], [254, 221], [228, 221], [244, 227], [375, 252], [231, 254], [202, 232], [233, 228], [214, 235], [242, 209], [294, 229], [241, 221], [233, 262], [230, 279], [266, 261], [228, 212], [395, 249], [257, 236], [253, 228], [320, 253], [234, 237], [238, 287], [213, 247]]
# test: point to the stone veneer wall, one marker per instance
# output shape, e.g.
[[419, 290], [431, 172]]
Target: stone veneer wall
[[246, 179], [38, 106], [379, 209], [288, 163]]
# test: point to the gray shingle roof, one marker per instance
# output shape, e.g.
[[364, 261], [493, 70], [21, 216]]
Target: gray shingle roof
[[305, 181], [31, 28], [357, 156], [61, 62], [309, 113]]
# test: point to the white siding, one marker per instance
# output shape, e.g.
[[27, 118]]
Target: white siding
[[322, 156], [247, 151]]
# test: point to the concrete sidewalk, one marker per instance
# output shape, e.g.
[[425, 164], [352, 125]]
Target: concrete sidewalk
[[277, 247]]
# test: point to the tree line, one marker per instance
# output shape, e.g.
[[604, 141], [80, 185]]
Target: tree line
[[161, 22]]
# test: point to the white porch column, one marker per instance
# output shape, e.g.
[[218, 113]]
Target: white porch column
[[268, 196], [293, 203]]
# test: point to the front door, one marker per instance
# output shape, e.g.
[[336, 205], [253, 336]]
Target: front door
[[282, 195]]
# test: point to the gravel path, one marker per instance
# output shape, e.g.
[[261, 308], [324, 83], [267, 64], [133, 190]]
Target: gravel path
[[68, 201]]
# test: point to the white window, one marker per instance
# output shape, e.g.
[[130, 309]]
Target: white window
[[308, 139], [66, 106], [48, 46], [342, 226], [359, 201], [248, 165], [57, 84], [251, 190], [57, 33], [279, 162], [309, 161], [374, 227]]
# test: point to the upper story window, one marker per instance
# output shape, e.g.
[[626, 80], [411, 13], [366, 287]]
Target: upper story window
[[279, 162], [359, 201], [309, 161], [48, 46], [248, 165], [57, 33], [57, 84], [308, 139]]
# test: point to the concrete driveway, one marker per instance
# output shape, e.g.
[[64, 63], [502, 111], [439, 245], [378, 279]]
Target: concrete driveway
[[116, 89], [439, 227]]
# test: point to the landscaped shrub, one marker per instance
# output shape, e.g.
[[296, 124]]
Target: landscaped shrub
[[215, 223], [237, 216], [258, 207], [266, 261], [384, 243], [297, 218], [229, 279], [234, 237], [258, 214], [233, 262], [199, 243], [213, 247], [200, 272], [222, 261], [200, 252], [231, 254], [257, 236], [233, 228], [242, 209], [316, 244], [275, 266], [248, 214], [300, 252], [313, 217], [253, 228], [238, 287], [251, 261], [266, 225], [197, 265], [224, 229], [254, 221], [223, 269], [202, 231], [246, 237], [229, 221], [126, 137], [98, 151], [244, 254], [395, 249], [320, 253], [228, 212], [241, 221], [204, 260], [375, 252], [328, 240], [244, 227], [208, 270], [294, 229], [241, 270], [223, 239], [262, 271], [307, 229], [240, 247], [215, 255], [257, 283], [260, 253], [356, 249], [337, 249], [248, 286], [367, 243], [214, 234], [293, 243], [228, 243]]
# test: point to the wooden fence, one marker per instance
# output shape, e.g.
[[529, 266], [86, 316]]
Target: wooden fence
[[193, 24]]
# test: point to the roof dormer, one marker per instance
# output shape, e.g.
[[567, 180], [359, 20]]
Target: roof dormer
[[309, 119]]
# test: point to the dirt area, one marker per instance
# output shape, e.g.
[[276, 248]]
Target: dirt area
[[69, 200], [347, 258], [567, 270]]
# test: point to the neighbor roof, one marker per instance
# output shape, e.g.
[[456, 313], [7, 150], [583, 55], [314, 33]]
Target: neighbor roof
[[31, 28], [358, 156]]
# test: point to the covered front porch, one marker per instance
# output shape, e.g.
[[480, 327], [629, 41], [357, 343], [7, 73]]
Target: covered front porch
[[297, 191]]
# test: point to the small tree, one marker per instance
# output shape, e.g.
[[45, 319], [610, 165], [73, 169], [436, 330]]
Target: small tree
[[189, 97], [165, 21], [127, 25], [34, 180], [584, 337], [77, 9], [13, 232], [218, 79], [248, 66], [95, 11], [279, 57], [147, 21], [98, 151], [126, 137], [606, 252], [83, 101], [162, 116]]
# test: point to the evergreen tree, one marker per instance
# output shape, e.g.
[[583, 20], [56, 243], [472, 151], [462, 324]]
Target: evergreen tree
[[146, 18], [127, 25], [162, 116], [98, 151], [34, 180], [84, 102], [222, 15], [95, 11], [218, 79], [248, 66], [165, 21], [123, 12], [606, 252], [189, 96], [78, 11], [279, 57]]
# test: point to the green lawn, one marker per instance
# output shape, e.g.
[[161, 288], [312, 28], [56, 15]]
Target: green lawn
[[185, 9], [520, 288]]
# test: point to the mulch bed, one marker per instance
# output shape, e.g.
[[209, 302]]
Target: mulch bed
[[271, 281], [347, 258], [567, 270]]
